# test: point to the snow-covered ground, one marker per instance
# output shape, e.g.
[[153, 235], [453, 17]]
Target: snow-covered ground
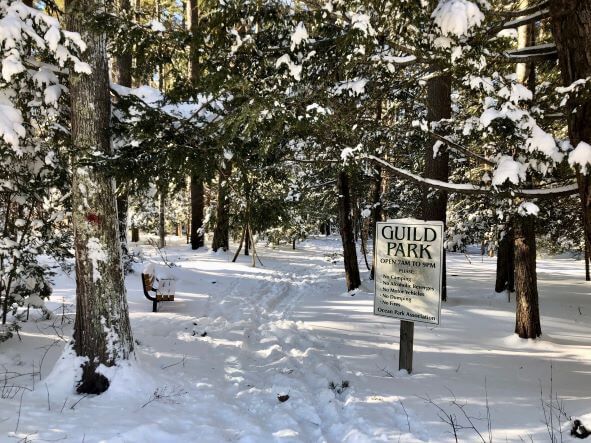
[[211, 365]]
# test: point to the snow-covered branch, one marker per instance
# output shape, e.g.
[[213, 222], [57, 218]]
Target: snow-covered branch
[[467, 188], [532, 18], [521, 21], [524, 12], [456, 147], [532, 53]]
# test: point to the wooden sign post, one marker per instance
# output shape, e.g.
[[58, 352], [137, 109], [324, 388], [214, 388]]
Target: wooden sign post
[[407, 335], [408, 277]]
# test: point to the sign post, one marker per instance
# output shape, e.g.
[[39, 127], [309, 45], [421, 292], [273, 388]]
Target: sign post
[[408, 277]]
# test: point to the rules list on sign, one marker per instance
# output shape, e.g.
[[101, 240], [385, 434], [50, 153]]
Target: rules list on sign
[[408, 272]]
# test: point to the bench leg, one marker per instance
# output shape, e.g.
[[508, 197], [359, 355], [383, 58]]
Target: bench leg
[[154, 306]]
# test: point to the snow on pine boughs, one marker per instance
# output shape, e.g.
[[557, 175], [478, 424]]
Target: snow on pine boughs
[[33, 187], [580, 158], [457, 17], [509, 127]]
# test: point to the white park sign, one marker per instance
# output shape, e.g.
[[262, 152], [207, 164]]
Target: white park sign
[[408, 271]]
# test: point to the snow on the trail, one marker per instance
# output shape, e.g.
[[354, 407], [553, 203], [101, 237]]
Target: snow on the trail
[[214, 365]]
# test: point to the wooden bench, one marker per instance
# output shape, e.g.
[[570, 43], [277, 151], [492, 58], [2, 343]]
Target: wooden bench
[[148, 281]]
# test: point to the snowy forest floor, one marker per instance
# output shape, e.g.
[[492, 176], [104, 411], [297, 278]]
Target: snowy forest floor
[[211, 365]]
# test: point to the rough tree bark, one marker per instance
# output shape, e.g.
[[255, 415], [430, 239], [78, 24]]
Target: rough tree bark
[[221, 233], [347, 235], [197, 189], [434, 205], [527, 319], [571, 26], [102, 333]]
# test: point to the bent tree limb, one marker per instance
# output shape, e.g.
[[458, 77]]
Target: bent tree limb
[[470, 189]]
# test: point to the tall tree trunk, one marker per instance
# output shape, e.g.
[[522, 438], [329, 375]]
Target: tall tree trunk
[[221, 233], [158, 14], [162, 220], [122, 209], [527, 320], [137, 80], [135, 233], [193, 27], [197, 188], [347, 235], [437, 163], [571, 26], [587, 262], [505, 280], [246, 242], [376, 213], [254, 248], [197, 228], [237, 253], [188, 226], [121, 68], [102, 333]]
